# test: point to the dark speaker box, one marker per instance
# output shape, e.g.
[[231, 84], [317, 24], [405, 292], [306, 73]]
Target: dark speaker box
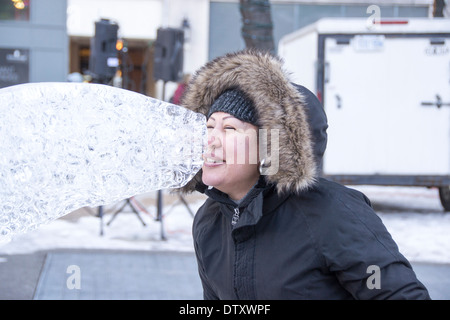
[[168, 55], [103, 61]]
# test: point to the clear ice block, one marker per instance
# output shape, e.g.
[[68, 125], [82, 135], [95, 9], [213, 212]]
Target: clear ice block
[[68, 145]]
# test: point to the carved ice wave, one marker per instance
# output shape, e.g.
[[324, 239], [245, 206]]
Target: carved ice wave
[[68, 145]]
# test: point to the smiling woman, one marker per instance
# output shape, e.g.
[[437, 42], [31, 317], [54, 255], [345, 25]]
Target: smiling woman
[[287, 234], [230, 164]]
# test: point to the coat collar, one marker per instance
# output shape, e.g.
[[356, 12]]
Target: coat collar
[[261, 200], [223, 198]]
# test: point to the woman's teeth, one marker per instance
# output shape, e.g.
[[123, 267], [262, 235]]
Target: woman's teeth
[[210, 160]]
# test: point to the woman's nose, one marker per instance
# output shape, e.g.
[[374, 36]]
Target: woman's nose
[[214, 140]]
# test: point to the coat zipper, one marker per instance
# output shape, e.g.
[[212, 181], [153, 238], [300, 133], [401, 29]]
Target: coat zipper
[[235, 216]]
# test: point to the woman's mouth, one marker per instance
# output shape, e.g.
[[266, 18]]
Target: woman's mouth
[[213, 162]]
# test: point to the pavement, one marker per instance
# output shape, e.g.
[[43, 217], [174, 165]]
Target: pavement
[[122, 275], [435, 277], [100, 275]]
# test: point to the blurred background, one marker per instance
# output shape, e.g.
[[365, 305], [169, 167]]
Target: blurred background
[[54, 36]]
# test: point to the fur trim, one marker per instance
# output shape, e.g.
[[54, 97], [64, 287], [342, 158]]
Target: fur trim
[[278, 104]]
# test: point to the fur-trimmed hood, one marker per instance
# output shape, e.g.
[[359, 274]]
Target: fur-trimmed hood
[[278, 103]]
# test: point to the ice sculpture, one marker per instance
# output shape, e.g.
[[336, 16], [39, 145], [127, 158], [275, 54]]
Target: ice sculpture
[[68, 145]]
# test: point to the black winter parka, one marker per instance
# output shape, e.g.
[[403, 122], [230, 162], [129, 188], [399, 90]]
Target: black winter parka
[[325, 243]]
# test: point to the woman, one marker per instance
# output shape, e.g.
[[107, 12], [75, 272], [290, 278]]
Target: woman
[[271, 228]]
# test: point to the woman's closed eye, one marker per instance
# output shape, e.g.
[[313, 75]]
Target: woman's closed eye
[[225, 127]]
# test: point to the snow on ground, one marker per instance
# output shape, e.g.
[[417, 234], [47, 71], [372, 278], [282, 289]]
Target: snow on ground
[[413, 216], [81, 230]]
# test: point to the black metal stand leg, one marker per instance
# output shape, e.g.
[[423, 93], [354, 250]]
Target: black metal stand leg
[[100, 215], [117, 212], [186, 205], [159, 216], [136, 210], [127, 202]]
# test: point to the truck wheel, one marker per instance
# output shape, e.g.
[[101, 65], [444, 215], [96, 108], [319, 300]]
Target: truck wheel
[[444, 194]]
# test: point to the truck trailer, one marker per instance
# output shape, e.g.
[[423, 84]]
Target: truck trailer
[[385, 88]]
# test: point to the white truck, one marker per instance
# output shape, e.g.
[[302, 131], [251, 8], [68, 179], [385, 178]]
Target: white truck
[[385, 88]]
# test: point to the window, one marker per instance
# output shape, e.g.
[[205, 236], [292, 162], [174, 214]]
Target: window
[[18, 10]]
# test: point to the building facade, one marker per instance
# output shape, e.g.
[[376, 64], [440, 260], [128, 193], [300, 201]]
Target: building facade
[[33, 41]]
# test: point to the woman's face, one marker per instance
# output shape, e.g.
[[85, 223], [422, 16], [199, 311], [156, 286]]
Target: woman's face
[[231, 161]]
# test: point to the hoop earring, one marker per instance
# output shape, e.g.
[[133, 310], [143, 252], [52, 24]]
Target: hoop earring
[[263, 167]]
